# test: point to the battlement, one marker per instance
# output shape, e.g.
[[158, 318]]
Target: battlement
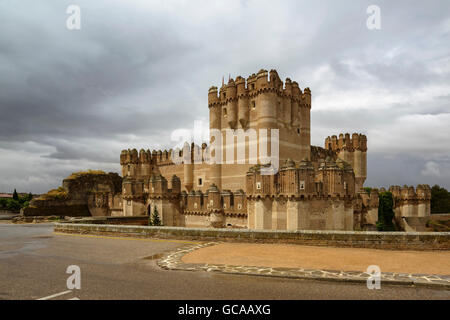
[[154, 187], [255, 84], [408, 193], [161, 158], [303, 180], [214, 200], [345, 142]]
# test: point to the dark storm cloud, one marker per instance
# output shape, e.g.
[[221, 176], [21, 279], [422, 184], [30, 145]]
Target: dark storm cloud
[[138, 70]]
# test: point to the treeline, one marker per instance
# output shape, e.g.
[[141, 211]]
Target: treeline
[[440, 200], [16, 202]]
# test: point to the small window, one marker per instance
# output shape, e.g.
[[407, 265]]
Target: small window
[[253, 86], [128, 202], [225, 112], [253, 105], [200, 181], [302, 185], [224, 95], [258, 185], [239, 206], [298, 130], [195, 205]]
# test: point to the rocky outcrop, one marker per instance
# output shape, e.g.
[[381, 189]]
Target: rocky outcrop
[[82, 194]]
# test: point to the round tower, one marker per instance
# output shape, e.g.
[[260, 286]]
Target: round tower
[[243, 107], [215, 124], [230, 109]]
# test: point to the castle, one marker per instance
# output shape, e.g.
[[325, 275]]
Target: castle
[[234, 182]]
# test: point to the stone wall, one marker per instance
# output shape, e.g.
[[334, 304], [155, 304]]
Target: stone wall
[[362, 239]]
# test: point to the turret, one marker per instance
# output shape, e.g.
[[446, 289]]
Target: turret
[[230, 109], [243, 104]]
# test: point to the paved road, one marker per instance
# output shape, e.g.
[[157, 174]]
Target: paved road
[[33, 263]]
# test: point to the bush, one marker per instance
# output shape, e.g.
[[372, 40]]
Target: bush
[[3, 203], [13, 205]]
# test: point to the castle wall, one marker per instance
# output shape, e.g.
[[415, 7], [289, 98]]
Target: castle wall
[[311, 214]]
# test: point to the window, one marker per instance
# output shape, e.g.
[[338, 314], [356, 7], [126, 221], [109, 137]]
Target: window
[[224, 95], [253, 86], [239, 206], [253, 105], [302, 185], [225, 112], [128, 202], [258, 185], [200, 182], [298, 130]]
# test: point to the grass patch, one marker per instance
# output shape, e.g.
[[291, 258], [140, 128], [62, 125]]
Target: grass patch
[[76, 175], [55, 194]]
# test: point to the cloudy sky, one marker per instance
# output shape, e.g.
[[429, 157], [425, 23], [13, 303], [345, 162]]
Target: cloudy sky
[[137, 70]]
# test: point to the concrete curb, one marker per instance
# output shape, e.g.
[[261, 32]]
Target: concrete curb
[[172, 261]]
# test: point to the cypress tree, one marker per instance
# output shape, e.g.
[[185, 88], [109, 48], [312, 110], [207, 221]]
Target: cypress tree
[[156, 221], [15, 195]]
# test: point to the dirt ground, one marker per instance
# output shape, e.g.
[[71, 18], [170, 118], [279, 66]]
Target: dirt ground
[[324, 258]]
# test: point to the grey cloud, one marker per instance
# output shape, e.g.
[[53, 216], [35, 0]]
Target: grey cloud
[[136, 71]]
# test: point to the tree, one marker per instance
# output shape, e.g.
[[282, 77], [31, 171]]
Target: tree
[[440, 200], [156, 221], [13, 205], [385, 212], [15, 195]]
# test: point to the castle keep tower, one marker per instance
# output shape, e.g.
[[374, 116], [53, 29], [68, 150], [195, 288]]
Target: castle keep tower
[[261, 103]]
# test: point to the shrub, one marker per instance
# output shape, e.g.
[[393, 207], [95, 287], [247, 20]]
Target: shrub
[[13, 205], [156, 221], [3, 202]]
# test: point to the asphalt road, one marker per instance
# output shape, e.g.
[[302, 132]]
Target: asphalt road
[[33, 263]]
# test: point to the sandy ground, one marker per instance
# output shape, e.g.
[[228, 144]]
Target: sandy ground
[[324, 258]]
